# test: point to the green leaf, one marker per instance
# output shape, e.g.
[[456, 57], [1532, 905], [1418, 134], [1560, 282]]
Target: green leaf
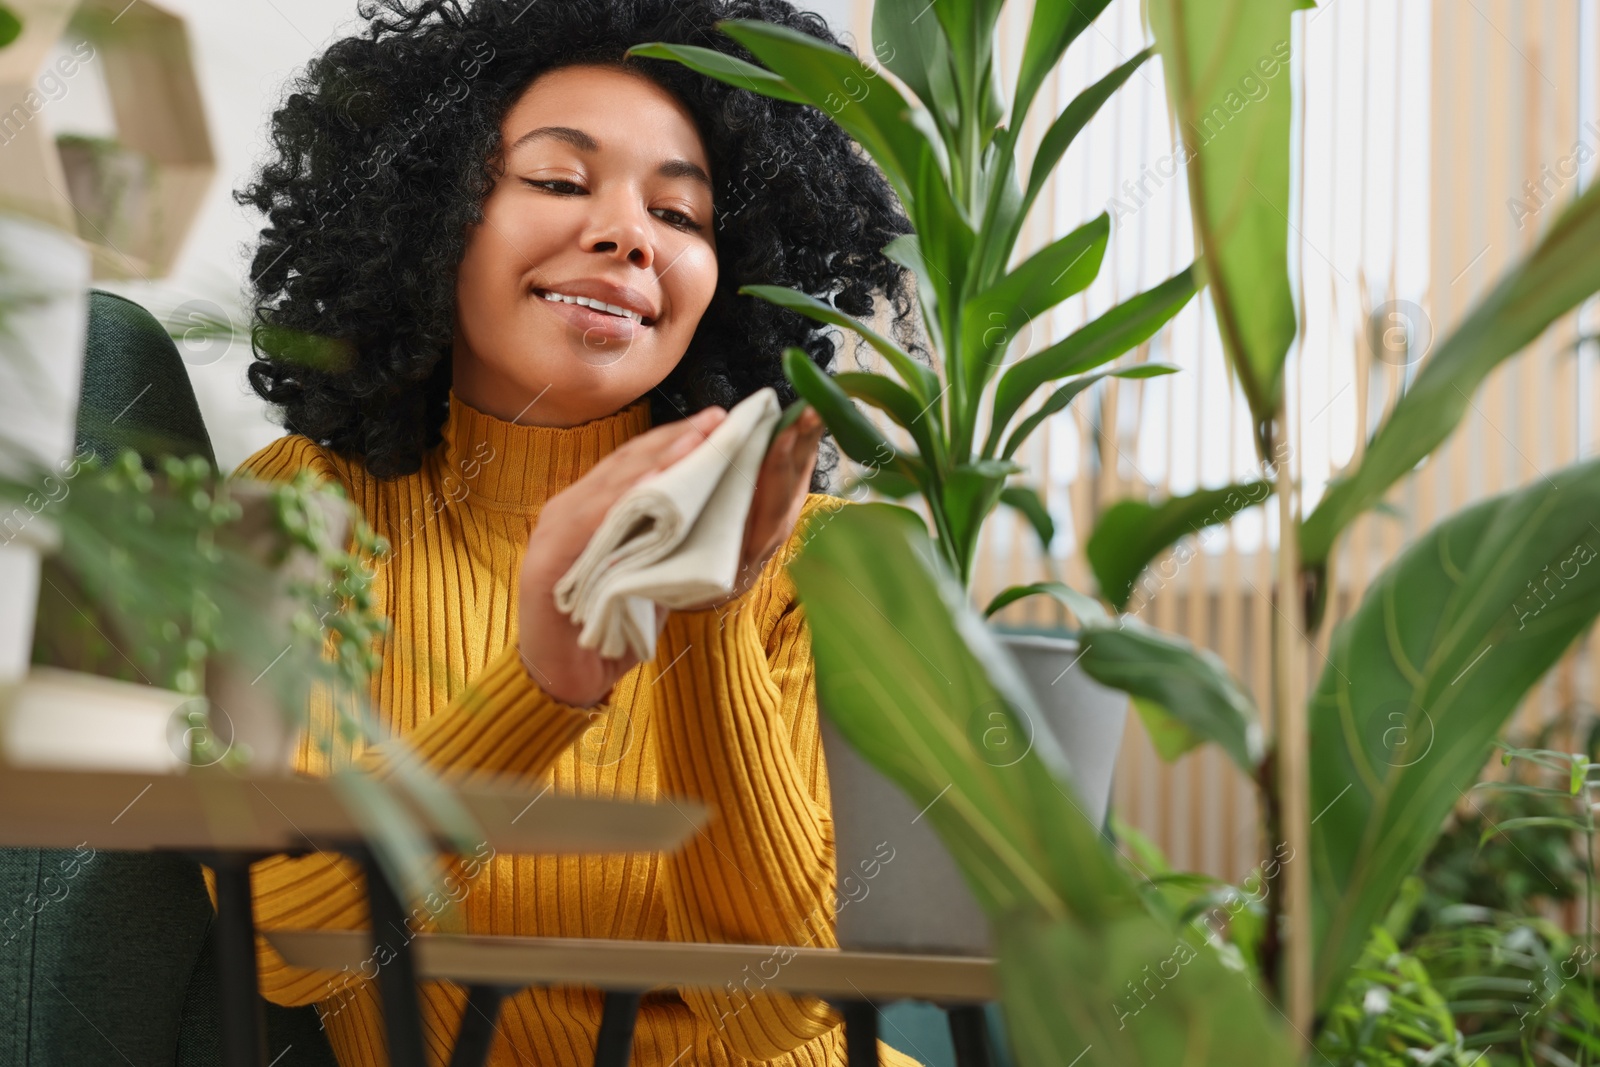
[[1420, 680], [1125, 992], [1084, 606], [922, 381], [858, 438], [971, 491], [724, 68], [914, 49], [1054, 27], [1559, 274], [1069, 392], [911, 677], [1129, 324], [1168, 735], [1132, 533], [887, 395], [945, 235], [1025, 499], [1171, 675], [1565, 823], [10, 25], [1067, 125], [864, 105], [991, 319], [969, 31], [1225, 63]]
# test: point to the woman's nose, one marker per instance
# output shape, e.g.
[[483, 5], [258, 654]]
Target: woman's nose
[[621, 229]]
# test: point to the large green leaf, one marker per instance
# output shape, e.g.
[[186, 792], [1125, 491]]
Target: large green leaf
[[1054, 27], [1128, 992], [991, 319], [723, 67], [1185, 693], [971, 492], [858, 438], [1130, 323], [862, 102], [914, 49], [1226, 67], [1422, 677], [969, 30], [1131, 533], [1027, 502], [1067, 393], [911, 676], [1561, 272]]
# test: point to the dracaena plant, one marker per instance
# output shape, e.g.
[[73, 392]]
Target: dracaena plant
[[956, 170]]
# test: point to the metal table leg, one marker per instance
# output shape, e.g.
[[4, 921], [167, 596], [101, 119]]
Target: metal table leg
[[397, 978], [477, 1025], [969, 1032], [615, 1043], [860, 1032], [244, 1027]]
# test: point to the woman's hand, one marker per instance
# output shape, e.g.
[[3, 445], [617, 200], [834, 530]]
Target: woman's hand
[[549, 639], [781, 490]]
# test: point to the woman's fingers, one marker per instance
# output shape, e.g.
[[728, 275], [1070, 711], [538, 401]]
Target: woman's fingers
[[781, 490]]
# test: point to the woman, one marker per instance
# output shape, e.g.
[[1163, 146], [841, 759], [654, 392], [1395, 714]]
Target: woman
[[445, 189]]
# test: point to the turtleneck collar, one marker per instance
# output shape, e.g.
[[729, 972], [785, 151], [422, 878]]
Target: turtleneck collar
[[513, 467]]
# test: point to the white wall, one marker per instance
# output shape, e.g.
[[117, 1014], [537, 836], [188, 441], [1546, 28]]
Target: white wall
[[243, 50]]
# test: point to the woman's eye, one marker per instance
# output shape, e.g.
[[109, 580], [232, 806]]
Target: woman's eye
[[678, 219], [684, 221], [553, 181]]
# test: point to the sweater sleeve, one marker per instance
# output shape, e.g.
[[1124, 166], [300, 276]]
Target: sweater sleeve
[[738, 730], [502, 725]]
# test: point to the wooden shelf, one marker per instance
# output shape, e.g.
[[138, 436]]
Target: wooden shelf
[[643, 965], [205, 810]]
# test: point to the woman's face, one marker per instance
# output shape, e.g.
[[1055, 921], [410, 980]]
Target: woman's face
[[605, 194]]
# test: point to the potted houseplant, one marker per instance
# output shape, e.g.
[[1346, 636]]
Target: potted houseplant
[[1397, 739], [955, 169]]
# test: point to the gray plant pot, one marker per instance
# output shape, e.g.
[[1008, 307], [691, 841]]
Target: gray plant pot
[[913, 898]]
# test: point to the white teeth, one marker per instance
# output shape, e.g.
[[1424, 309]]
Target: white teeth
[[598, 305]]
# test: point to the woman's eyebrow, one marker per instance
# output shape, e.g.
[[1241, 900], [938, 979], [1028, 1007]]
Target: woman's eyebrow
[[672, 168]]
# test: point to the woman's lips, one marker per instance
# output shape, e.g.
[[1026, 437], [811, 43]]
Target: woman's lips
[[596, 326]]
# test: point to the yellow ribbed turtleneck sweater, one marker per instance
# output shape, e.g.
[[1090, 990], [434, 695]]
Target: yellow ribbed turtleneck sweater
[[726, 713]]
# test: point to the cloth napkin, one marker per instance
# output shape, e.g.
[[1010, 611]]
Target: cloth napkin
[[674, 538]]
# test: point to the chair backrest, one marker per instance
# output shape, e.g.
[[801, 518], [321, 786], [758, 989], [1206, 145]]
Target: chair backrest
[[136, 391]]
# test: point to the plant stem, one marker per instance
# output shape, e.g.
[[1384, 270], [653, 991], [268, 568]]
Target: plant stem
[[1293, 758]]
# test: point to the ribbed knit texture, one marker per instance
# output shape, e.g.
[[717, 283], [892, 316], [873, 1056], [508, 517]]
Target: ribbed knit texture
[[726, 713]]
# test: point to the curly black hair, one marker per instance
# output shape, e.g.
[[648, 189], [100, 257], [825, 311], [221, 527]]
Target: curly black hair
[[384, 149]]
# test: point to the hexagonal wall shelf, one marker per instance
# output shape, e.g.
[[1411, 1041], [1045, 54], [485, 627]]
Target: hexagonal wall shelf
[[133, 197]]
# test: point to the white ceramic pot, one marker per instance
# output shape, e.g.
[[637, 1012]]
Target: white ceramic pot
[[917, 901], [44, 282], [70, 719]]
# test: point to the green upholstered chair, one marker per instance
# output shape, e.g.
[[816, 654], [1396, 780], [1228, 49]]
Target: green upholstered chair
[[121, 968]]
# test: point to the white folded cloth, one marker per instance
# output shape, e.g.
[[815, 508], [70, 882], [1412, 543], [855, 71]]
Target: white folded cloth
[[675, 538]]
